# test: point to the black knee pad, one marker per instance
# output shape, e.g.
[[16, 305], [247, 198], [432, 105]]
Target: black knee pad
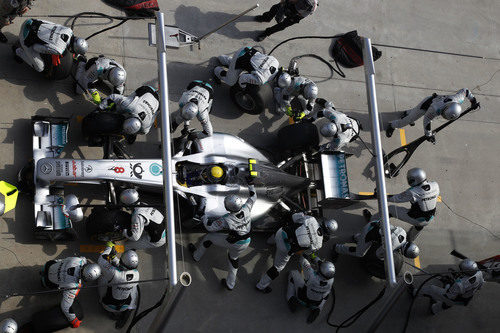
[[207, 244], [234, 262], [273, 273], [223, 73]]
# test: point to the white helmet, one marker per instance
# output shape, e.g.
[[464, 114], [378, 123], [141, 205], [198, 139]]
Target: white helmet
[[233, 203], [129, 259], [311, 91], [452, 111], [129, 196], [189, 111], [328, 130], [411, 250], [327, 269], [117, 76], [416, 176], [80, 46], [285, 80], [132, 125], [8, 325], [330, 226], [91, 272], [468, 266]]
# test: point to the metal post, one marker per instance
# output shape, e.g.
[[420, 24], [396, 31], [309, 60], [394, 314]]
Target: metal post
[[168, 195], [379, 163], [226, 23]]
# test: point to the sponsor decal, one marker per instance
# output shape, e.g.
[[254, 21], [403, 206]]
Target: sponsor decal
[[343, 179], [46, 168], [117, 169], [136, 170], [88, 169], [58, 168], [74, 168], [66, 168], [155, 169]]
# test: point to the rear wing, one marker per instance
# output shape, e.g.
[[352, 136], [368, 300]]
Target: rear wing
[[336, 182]]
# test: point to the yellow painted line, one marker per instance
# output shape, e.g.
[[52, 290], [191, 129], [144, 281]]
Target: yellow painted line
[[402, 135], [99, 248], [417, 262], [439, 199], [79, 119]]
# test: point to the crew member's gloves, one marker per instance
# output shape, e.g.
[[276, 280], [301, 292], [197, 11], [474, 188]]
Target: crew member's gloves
[[96, 98], [431, 138], [75, 323], [289, 111], [299, 116], [113, 253]]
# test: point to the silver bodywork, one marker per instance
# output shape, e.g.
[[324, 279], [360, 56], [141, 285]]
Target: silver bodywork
[[50, 137]]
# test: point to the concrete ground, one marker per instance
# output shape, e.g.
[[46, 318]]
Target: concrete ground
[[464, 161]]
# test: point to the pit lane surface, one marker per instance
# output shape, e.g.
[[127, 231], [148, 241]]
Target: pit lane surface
[[464, 161]]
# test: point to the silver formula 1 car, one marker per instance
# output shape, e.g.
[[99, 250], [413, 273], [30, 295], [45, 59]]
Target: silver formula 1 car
[[300, 182]]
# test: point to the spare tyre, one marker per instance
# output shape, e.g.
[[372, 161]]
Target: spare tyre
[[252, 99], [104, 224], [298, 137], [58, 67], [99, 124], [53, 320]]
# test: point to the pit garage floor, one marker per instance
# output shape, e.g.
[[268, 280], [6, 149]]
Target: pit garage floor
[[464, 161]]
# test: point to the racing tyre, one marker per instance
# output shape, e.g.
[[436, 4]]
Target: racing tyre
[[253, 99], [105, 224], [58, 67], [100, 124], [25, 182], [298, 137], [375, 267], [53, 320]]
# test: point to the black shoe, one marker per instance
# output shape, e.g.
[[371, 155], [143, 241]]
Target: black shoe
[[312, 316], [266, 290], [3, 38], [293, 302], [367, 215], [192, 249], [216, 79], [16, 57], [389, 131], [259, 18], [260, 37], [223, 282]]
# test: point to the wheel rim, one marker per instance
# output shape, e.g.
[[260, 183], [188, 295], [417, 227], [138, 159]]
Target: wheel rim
[[245, 101]]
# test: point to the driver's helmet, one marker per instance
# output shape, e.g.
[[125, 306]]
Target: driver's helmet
[[214, 174]]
